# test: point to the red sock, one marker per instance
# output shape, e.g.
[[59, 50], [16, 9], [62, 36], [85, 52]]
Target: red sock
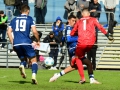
[[80, 68]]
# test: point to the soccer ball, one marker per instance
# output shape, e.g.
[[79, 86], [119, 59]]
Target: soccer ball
[[49, 61]]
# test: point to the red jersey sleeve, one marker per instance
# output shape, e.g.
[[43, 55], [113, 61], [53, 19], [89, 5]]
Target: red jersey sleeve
[[75, 29], [100, 27]]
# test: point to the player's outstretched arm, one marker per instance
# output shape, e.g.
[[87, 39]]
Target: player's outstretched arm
[[100, 27], [9, 33]]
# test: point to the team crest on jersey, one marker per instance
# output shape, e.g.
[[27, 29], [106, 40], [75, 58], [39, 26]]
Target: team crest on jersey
[[69, 28]]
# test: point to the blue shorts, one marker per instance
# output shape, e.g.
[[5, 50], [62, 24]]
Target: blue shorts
[[24, 51], [72, 53]]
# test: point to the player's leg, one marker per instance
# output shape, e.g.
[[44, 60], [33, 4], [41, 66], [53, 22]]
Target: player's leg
[[30, 53], [89, 66], [61, 73], [94, 58], [22, 68], [90, 71], [80, 53], [34, 69], [65, 71], [80, 70], [21, 55], [23, 62]]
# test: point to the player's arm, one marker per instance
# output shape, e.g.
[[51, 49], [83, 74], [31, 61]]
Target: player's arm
[[100, 27], [74, 31], [35, 33], [9, 33]]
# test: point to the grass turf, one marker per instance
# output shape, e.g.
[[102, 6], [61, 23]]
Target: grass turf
[[10, 79]]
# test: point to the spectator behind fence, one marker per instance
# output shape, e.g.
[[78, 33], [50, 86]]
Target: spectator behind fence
[[80, 5], [9, 7], [109, 6], [18, 4], [70, 5], [54, 42], [40, 11], [94, 7], [58, 28], [3, 27]]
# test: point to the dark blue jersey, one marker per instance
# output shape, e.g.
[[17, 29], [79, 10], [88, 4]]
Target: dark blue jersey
[[21, 26], [71, 40]]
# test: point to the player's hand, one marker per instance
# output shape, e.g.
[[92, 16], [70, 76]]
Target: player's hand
[[38, 44], [35, 44], [109, 37]]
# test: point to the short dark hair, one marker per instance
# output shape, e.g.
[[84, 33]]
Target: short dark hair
[[1, 12], [24, 8], [51, 33], [71, 16]]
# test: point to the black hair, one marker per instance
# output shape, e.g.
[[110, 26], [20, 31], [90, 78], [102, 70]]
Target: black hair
[[71, 16], [1, 12]]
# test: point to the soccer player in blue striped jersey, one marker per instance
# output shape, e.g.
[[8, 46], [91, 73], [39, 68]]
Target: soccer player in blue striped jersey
[[21, 27]]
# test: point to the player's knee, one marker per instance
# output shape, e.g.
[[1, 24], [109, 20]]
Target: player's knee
[[33, 59]]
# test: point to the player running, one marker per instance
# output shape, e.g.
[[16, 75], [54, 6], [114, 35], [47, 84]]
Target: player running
[[21, 27], [71, 45]]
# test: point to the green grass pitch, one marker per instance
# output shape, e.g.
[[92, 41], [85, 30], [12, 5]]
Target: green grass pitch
[[10, 79]]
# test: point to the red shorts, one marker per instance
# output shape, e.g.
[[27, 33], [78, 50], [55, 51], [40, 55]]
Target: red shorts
[[82, 49]]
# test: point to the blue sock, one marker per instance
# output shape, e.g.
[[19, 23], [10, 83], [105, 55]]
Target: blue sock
[[23, 63], [34, 68], [91, 76]]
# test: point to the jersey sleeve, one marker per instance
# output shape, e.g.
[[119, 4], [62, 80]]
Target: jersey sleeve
[[100, 27], [70, 38], [11, 24], [32, 22]]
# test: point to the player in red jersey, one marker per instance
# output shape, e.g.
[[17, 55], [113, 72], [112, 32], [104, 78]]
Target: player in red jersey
[[85, 29]]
